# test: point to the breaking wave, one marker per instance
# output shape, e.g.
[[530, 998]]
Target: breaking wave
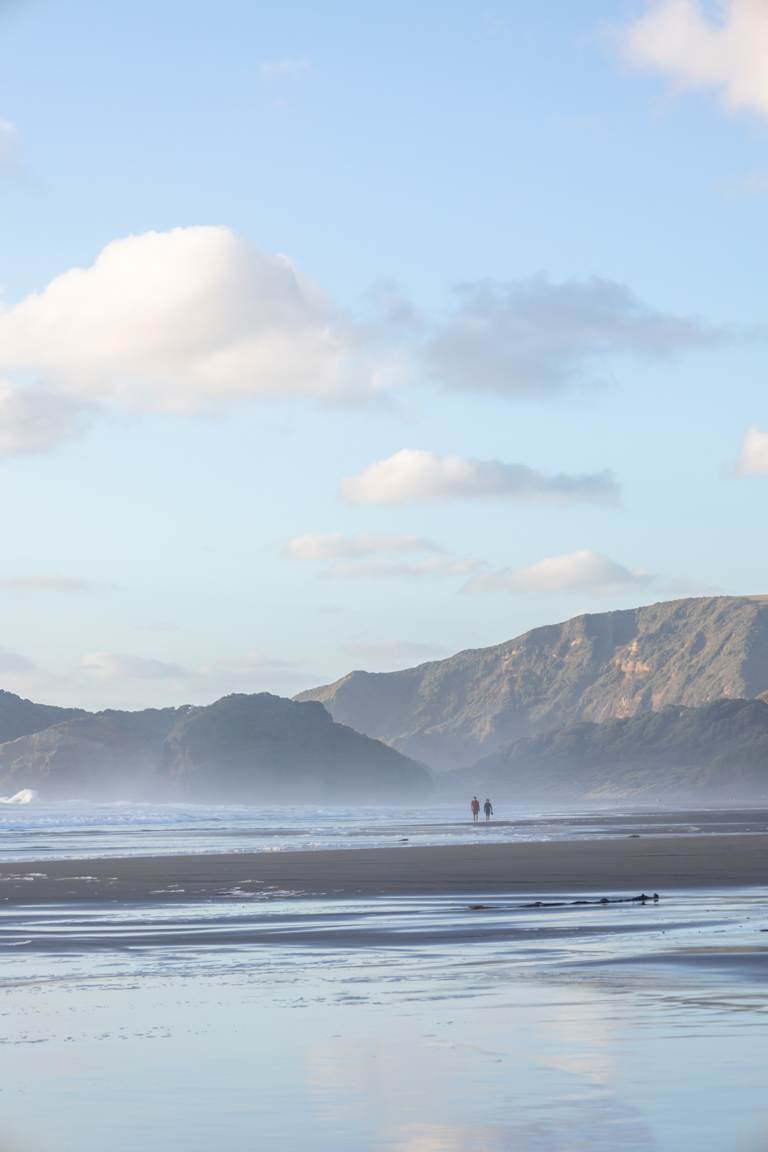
[[25, 796]]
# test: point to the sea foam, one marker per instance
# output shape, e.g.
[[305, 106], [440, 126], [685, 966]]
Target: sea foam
[[25, 796]]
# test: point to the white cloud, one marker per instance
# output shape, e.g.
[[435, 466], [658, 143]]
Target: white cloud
[[197, 317], [183, 319], [536, 337], [368, 556], [582, 571], [118, 666], [32, 421], [284, 67], [415, 476], [725, 49], [753, 460], [338, 547], [8, 145]]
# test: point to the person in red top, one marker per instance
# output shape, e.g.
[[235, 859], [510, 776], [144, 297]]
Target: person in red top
[[475, 806]]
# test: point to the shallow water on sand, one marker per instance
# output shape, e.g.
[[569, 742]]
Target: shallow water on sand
[[405, 1025]]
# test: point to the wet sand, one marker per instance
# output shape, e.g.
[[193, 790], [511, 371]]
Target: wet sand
[[619, 865]]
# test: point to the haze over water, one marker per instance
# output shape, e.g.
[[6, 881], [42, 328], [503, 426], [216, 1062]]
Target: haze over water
[[36, 829]]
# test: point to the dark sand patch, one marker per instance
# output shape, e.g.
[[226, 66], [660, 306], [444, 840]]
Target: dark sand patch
[[628, 865]]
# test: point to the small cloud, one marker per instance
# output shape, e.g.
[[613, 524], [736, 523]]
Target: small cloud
[[753, 460], [413, 476], [368, 556], [583, 571], [33, 421], [724, 50], [336, 546], [284, 67], [535, 337], [118, 666]]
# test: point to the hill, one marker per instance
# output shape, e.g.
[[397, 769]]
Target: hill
[[717, 752], [241, 748], [19, 717], [595, 667]]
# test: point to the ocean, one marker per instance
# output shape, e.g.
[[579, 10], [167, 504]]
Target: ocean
[[31, 829]]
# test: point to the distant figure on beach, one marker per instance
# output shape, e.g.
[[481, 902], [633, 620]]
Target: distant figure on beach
[[475, 806], [488, 809]]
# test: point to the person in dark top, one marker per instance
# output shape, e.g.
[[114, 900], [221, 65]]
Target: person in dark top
[[488, 809]]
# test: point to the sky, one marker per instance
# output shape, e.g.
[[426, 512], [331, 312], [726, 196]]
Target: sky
[[340, 337]]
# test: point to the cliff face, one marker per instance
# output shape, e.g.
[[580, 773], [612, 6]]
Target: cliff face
[[595, 667], [242, 748], [718, 752]]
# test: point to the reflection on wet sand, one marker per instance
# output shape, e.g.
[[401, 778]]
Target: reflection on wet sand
[[383, 1025]]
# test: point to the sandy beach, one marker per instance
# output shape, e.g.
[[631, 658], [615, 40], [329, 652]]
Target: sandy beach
[[627, 865], [484, 986]]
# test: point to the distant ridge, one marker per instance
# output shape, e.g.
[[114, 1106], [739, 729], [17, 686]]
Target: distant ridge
[[595, 667], [718, 752], [259, 748]]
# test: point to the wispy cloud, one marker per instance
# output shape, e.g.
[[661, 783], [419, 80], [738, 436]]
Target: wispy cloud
[[379, 569], [335, 546], [535, 337], [582, 571], [120, 666], [723, 48], [414, 476], [372, 556]]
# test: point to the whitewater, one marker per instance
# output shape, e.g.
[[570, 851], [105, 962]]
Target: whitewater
[[25, 796], [35, 830]]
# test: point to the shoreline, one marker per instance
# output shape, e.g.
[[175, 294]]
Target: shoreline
[[628, 865]]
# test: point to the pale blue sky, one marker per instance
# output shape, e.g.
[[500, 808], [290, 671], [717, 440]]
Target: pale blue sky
[[146, 548]]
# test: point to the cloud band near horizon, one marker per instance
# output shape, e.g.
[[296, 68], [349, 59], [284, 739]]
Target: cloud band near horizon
[[416, 476]]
